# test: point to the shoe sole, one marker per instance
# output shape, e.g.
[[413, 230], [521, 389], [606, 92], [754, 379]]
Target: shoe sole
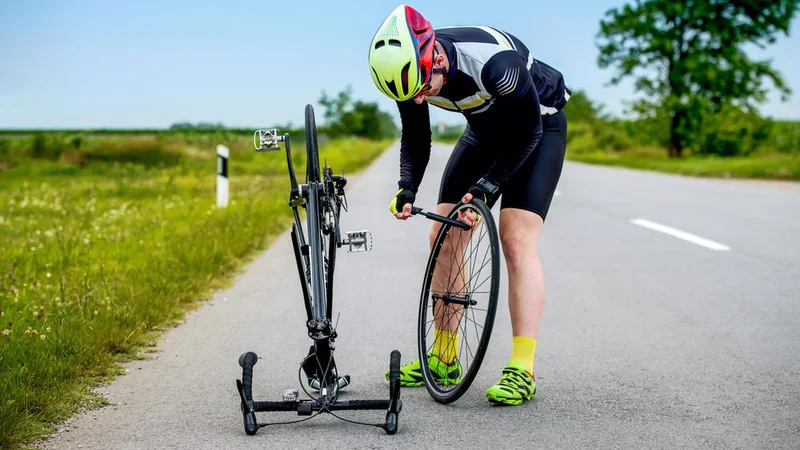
[[404, 383]]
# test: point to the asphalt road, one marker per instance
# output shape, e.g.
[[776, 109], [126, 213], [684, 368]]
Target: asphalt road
[[648, 341]]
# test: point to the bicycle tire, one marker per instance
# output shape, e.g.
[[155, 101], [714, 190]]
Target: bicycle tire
[[314, 210], [304, 266], [452, 391], [312, 149]]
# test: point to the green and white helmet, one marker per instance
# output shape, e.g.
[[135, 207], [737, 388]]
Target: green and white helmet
[[401, 54]]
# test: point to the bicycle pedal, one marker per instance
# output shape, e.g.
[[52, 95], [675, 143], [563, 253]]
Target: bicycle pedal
[[358, 241]]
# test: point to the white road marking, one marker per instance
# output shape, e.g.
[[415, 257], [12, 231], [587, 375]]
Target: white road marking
[[707, 243]]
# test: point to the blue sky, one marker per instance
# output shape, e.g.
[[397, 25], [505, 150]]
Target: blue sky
[[75, 64]]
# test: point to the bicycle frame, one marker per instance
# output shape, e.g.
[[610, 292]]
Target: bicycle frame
[[323, 199], [318, 198]]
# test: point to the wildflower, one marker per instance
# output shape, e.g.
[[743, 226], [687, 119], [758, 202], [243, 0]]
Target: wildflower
[[6, 332], [42, 337], [48, 329], [41, 308], [86, 241], [96, 312], [49, 275]]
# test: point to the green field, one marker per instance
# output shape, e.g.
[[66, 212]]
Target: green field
[[108, 241]]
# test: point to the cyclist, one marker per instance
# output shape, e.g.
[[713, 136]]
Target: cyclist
[[514, 143]]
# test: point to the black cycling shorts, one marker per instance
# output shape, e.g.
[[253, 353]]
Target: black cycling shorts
[[530, 188]]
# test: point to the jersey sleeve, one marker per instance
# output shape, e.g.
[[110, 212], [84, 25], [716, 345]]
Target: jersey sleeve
[[415, 143], [519, 130]]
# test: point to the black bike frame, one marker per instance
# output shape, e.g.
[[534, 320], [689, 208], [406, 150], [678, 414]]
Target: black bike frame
[[312, 196]]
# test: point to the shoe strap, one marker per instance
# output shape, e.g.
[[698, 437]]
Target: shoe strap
[[514, 376]]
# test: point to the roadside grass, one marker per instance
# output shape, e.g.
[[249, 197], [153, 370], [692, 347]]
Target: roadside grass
[[773, 166], [102, 254]]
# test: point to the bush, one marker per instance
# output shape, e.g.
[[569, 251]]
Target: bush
[[612, 136], [731, 132], [784, 136], [598, 136], [46, 146]]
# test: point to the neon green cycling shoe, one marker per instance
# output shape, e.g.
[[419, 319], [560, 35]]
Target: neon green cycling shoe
[[411, 373], [516, 386]]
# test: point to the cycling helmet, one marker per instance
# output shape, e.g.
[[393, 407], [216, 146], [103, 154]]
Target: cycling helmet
[[401, 54]]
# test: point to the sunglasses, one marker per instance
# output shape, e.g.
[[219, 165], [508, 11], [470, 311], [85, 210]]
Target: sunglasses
[[427, 86]]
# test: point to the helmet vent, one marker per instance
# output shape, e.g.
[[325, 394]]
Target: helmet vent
[[424, 46], [404, 77], [380, 85], [390, 28], [379, 44], [391, 86], [395, 42]]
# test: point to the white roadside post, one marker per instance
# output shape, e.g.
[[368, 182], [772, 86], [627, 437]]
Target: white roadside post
[[222, 175]]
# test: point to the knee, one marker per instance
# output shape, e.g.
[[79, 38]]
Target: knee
[[433, 234], [518, 249]]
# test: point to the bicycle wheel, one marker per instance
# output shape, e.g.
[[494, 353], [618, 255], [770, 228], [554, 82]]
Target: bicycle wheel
[[459, 296], [312, 150], [315, 209], [329, 265]]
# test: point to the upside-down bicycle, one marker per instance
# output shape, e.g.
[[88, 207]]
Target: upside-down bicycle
[[323, 198]]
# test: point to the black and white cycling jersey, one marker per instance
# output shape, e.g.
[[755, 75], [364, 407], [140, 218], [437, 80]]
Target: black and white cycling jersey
[[494, 81]]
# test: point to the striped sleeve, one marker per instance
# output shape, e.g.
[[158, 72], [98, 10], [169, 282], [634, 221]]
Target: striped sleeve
[[505, 75]]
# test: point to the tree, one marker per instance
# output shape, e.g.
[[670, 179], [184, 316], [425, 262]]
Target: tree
[[343, 117], [580, 108], [688, 56]]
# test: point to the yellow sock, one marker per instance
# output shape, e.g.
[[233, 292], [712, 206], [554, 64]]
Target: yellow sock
[[445, 345], [524, 351]]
